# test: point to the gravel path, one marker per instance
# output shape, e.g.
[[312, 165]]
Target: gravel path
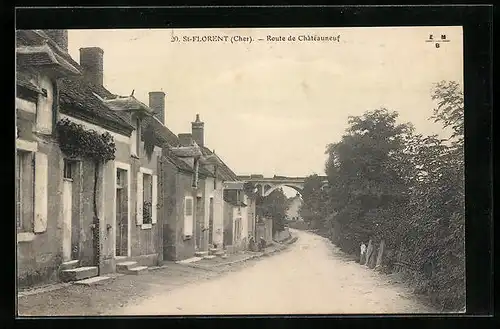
[[310, 277]]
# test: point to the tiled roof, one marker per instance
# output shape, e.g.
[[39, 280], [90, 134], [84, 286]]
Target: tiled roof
[[187, 151], [24, 80], [162, 133], [183, 166], [223, 170], [128, 103], [34, 47], [79, 94], [76, 94]]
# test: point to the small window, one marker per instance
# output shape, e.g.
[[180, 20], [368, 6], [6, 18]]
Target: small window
[[121, 178], [69, 168], [189, 207], [147, 210]]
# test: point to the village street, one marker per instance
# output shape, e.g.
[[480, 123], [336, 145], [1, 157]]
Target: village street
[[311, 276]]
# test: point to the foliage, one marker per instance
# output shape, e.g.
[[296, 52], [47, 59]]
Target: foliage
[[250, 190], [450, 109], [146, 212], [365, 183], [387, 182], [314, 206], [150, 140], [274, 206], [75, 141]]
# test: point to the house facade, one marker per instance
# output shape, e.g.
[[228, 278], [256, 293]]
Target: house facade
[[39, 162], [293, 211], [160, 196]]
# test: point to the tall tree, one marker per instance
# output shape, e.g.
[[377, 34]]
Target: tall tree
[[274, 206], [363, 178], [314, 203]]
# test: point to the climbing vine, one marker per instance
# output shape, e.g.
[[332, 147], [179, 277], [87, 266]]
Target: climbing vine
[[75, 141]]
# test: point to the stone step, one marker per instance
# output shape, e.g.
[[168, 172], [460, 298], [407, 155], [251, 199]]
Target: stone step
[[223, 256], [137, 270], [201, 253], [213, 251], [189, 260], [125, 266], [71, 264], [93, 281], [220, 253], [209, 257], [79, 273]]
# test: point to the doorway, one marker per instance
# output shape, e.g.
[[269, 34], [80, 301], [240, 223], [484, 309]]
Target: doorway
[[122, 213], [68, 190]]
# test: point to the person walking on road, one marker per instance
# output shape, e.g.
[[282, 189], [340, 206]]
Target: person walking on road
[[362, 253]]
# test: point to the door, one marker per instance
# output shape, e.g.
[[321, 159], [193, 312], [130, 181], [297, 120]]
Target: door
[[211, 221], [121, 227], [67, 225], [67, 216]]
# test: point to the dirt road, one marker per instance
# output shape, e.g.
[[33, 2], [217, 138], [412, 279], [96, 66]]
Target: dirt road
[[310, 277]]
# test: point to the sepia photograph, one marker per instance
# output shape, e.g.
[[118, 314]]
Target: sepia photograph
[[240, 171]]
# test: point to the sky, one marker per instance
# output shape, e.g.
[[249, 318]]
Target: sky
[[271, 107]]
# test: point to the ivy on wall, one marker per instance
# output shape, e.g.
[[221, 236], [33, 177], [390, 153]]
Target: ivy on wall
[[75, 141]]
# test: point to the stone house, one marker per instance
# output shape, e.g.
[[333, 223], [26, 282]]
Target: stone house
[[85, 215], [293, 211], [127, 188], [239, 216], [40, 64]]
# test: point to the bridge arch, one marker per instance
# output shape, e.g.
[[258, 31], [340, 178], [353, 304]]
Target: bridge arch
[[297, 187]]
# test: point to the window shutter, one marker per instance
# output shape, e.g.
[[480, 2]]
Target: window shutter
[[41, 181], [154, 198], [140, 201]]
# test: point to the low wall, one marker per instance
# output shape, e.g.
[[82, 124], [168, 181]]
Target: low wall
[[283, 235], [265, 229], [299, 225]]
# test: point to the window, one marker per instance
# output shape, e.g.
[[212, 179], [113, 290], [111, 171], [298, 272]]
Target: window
[[69, 169], [147, 199], [237, 229], [188, 216], [24, 191], [121, 178]]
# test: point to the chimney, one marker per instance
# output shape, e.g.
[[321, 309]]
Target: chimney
[[197, 131], [60, 37], [157, 104], [185, 139], [91, 59]]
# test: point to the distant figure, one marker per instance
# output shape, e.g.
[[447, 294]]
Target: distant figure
[[251, 243], [262, 243], [362, 253]]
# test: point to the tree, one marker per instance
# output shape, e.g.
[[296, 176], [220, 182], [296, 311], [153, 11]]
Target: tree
[[314, 208], [365, 183], [274, 206]]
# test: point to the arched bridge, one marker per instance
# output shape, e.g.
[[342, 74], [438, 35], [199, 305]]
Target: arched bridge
[[266, 185]]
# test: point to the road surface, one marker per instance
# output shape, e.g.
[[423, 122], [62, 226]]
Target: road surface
[[311, 277]]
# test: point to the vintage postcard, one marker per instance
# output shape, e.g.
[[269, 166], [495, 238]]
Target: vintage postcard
[[242, 171]]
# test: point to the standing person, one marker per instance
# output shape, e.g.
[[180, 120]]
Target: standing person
[[362, 253], [262, 243]]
